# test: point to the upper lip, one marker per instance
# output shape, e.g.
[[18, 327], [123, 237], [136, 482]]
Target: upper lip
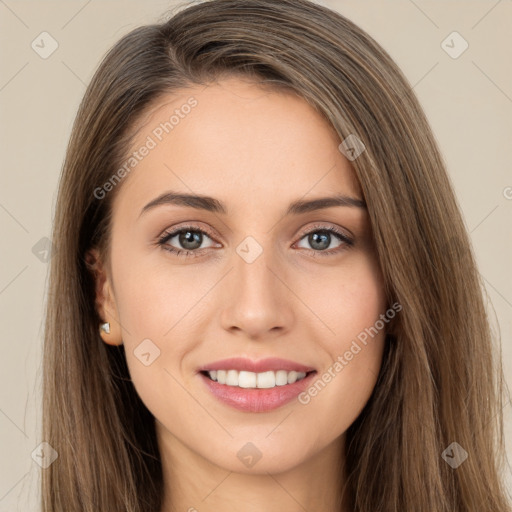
[[262, 365]]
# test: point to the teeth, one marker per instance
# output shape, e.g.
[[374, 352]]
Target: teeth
[[244, 379]]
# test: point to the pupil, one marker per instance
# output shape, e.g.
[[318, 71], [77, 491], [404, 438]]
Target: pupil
[[187, 237]]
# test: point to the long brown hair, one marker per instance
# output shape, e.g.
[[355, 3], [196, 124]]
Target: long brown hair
[[441, 378]]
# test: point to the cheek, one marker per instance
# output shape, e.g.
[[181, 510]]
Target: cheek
[[155, 311], [152, 305], [158, 304], [153, 296], [351, 304], [347, 299]]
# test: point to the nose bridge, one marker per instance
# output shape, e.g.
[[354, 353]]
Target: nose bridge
[[257, 299], [255, 267]]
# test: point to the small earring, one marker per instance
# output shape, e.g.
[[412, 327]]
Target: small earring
[[105, 327]]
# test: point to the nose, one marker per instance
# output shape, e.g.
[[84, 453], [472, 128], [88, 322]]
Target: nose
[[258, 302]]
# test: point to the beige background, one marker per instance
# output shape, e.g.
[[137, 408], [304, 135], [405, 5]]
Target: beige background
[[468, 101]]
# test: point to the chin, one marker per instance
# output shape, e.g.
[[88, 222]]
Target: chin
[[253, 458]]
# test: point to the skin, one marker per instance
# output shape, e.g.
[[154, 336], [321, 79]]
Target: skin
[[241, 144]]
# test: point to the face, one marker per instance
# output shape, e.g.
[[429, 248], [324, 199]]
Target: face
[[198, 281]]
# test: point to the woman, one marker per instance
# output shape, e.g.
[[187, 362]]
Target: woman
[[264, 296]]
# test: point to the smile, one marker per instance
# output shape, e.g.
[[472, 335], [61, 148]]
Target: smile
[[246, 379], [272, 394]]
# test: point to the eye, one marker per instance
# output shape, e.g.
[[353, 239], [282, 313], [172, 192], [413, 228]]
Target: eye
[[321, 237], [189, 237]]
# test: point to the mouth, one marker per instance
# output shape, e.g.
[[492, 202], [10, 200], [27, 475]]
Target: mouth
[[252, 380], [255, 392]]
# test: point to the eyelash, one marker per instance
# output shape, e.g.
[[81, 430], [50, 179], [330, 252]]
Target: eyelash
[[184, 253]]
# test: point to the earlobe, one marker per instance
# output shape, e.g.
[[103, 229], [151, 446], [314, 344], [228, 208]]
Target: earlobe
[[104, 300]]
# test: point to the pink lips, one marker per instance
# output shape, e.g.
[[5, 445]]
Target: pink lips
[[255, 399], [263, 365]]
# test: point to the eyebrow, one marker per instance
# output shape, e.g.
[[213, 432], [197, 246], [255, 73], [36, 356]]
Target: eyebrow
[[210, 204]]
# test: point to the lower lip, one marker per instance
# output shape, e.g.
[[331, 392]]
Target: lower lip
[[257, 400]]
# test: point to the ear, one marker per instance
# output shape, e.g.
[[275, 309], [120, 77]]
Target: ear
[[104, 299]]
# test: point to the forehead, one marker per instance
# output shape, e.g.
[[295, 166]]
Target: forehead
[[237, 140]]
